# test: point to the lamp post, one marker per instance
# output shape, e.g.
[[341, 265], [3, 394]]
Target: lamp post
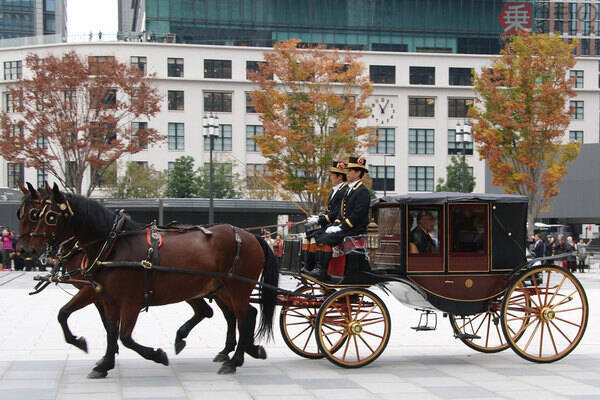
[[385, 173], [463, 136], [211, 126]]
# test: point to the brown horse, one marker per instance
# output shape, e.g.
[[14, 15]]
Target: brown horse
[[28, 218], [224, 265]]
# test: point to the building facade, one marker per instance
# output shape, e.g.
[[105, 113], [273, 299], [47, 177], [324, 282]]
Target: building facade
[[425, 97], [28, 18]]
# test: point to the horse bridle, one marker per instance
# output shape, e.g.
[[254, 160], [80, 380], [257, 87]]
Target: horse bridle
[[33, 216]]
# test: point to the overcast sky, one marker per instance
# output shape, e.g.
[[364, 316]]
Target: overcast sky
[[85, 16]]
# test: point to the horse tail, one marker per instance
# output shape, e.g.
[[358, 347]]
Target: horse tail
[[268, 295]]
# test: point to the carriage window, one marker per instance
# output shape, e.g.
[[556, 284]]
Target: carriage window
[[389, 255], [467, 224], [424, 237]]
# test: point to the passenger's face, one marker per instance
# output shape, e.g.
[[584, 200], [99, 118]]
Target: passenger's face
[[428, 223]]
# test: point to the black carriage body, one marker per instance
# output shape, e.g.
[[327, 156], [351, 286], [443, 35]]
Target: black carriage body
[[463, 263]]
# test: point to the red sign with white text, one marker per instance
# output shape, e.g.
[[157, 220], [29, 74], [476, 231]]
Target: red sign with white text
[[516, 18]]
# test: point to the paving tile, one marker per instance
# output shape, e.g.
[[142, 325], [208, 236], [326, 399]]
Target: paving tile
[[274, 389], [27, 394], [531, 395], [327, 383], [408, 396], [134, 392], [225, 395], [460, 392], [89, 396], [576, 389], [342, 394], [264, 379]]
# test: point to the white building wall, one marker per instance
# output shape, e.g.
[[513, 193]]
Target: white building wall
[[193, 84]]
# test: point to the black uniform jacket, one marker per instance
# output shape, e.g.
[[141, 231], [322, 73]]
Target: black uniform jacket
[[334, 204], [354, 213]]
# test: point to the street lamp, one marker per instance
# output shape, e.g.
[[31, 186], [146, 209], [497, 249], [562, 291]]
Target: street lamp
[[385, 173], [211, 126], [463, 136]]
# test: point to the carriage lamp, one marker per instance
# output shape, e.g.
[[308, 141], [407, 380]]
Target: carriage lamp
[[372, 235]]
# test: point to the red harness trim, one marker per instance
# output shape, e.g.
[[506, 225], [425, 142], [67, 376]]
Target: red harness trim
[[148, 241]]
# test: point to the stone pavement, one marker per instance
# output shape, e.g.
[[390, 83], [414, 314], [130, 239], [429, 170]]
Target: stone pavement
[[36, 363]]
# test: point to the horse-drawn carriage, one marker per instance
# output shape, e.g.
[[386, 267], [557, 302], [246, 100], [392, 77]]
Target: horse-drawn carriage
[[472, 268], [461, 254]]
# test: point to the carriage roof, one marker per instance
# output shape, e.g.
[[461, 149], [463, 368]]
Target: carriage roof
[[449, 197]]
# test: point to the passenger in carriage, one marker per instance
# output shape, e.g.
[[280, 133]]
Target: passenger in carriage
[[353, 219], [421, 237], [334, 202]]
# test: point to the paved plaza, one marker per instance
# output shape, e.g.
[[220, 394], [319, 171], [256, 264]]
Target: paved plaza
[[36, 363]]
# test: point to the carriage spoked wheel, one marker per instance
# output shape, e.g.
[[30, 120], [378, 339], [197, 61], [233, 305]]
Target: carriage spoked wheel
[[353, 327], [545, 313], [297, 323], [481, 332]]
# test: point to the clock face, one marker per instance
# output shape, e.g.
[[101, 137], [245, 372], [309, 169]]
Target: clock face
[[383, 110]]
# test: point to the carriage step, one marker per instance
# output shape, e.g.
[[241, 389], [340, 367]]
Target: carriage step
[[466, 336], [426, 323]]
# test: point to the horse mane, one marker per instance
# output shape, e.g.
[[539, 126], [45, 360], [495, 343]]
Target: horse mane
[[96, 217]]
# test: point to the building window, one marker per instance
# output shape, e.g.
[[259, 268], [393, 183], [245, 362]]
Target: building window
[[251, 131], [224, 168], [382, 73], [42, 177], [221, 142], [102, 98], [461, 76], [217, 69], [176, 136], [420, 179], [255, 179], [217, 101], [254, 67], [559, 15], [577, 76], [139, 126], [386, 141], [41, 142], [16, 174], [175, 67], [17, 130], [422, 75], [95, 63], [576, 136], [458, 108], [383, 177], [249, 106], [10, 104], [140, 62], [576, 108], [170, 166], [175, 100], [573, 19], [421, 141], [457, 148], [421, 107], [13, 70]]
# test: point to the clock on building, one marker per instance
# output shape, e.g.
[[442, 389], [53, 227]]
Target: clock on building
[[383, 110]]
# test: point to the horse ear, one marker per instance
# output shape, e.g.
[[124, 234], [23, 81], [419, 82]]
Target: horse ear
[[23, 188], [47, 187], [58, 196], [34, 192]]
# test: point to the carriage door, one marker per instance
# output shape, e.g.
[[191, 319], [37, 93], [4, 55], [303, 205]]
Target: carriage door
[[468, 244], [425, 244]]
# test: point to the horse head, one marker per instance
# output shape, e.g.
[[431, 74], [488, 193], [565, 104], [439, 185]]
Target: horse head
[[27, 214]]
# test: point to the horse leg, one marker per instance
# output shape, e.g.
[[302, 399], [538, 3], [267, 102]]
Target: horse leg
[[110, 318], [84, 297], [244, 326], [129, 316], [107, 362], [201, 311], [230, 341], [252, 349]]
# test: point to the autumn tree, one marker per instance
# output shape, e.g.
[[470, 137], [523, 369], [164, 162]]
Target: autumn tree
[[75, 114], [456, 173], [139, 181], [311, 104], [521, 117]]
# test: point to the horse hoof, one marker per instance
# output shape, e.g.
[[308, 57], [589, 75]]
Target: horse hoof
[[261, 353], [227, 368], [161, 357], [179, 346], [95, 374], [81, 344], [100, 361], [221, 357]]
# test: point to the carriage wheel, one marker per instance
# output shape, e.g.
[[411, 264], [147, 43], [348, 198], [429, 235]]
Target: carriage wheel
[[481, 331], [353, 327], [297, 324], [545, 314]]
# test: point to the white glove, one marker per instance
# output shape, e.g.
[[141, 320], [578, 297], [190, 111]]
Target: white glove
[[313, 219], [333, 229]]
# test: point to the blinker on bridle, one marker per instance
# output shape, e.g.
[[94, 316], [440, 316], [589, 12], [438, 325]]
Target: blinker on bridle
[[51, 217], [34, 214]]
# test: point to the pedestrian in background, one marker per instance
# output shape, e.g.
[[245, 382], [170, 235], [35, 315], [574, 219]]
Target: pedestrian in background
[[560, 247], [278, 247], [571, 259], [548, 247], [582, 254], [7, 248]]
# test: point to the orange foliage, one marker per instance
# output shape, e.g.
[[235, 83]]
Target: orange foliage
[[82, 112], [311, 103]]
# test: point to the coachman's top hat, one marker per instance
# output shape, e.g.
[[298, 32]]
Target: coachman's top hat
[[359, 163], [338, 167]]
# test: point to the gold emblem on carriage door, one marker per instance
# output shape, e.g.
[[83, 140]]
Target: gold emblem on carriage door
[[469, 283]]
